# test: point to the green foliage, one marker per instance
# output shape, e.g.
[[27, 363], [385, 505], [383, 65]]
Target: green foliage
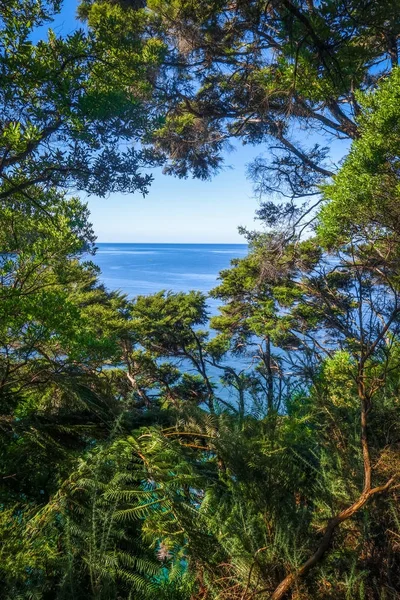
[[261, 75], [365, 193], [67, 103], [146, 450]]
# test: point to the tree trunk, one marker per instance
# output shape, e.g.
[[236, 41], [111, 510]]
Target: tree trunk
[[347, 513], [326, 540]]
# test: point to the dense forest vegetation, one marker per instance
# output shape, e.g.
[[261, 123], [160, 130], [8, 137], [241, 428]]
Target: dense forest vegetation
[[139, 458]]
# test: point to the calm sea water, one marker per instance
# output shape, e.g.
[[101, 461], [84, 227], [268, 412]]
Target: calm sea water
[[148, 268], [142, 269]]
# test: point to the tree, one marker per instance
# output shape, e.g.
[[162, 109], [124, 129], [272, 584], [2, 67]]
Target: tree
[[336, 314], [65, 116], [263, 73], [249, 322], [362, 200], [67, 108]]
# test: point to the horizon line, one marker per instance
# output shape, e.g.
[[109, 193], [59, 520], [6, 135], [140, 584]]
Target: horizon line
[[179, 243]]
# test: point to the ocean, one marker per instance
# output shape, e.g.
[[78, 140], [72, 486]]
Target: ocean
[[142, 269]]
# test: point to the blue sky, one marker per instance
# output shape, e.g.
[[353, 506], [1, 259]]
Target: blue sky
[[174, 210], [180, 210]]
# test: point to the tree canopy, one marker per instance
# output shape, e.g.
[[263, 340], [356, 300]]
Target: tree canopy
[[150, 449]]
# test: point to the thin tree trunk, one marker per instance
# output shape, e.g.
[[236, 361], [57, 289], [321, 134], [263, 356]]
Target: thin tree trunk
[[326, 540], [270, 380], [347, 513]]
